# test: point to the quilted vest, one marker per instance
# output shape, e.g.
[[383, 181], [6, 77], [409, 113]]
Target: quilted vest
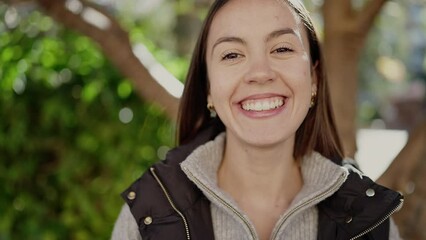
[[167, 205]]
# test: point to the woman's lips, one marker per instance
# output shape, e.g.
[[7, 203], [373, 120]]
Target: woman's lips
[[262, 104]]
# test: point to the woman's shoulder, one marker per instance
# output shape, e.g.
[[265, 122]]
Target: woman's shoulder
[[359, 204], [125, 227]]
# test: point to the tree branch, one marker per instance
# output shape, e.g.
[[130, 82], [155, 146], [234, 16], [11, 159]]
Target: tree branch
[[343, 5], [366, 17], [14, 2], [337, 9], [339, 18], [98, 25]]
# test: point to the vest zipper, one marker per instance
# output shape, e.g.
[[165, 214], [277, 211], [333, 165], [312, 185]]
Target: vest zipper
[[396, 209], [227, 205], [171, 202], [342, 178]]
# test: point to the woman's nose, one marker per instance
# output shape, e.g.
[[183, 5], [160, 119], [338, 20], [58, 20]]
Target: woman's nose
[[259, 71]]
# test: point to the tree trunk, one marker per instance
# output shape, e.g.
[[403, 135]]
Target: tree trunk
[[345, 31], [342, 73], [407, 174]]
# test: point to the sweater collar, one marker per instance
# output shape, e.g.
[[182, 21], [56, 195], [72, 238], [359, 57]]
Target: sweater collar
[[318, 172]]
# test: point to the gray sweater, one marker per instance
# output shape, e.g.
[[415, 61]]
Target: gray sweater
[[299, 221]]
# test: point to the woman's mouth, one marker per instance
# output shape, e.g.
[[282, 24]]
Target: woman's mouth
[[263, 104]]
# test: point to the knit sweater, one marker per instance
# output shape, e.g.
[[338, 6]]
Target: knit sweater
[[299, 221]]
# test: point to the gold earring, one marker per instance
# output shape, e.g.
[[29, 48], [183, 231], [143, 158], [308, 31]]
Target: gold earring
[[210, 107], [313, 99]]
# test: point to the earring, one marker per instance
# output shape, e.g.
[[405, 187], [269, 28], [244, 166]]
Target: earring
[[210, 107], [313, 99]]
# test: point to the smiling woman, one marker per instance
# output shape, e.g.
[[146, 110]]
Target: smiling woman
[[259, 156], [267, 70]]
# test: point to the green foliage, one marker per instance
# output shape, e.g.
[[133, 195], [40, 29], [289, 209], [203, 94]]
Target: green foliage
[[65, 155]]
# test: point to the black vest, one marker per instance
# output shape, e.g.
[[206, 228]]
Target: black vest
[[167, 205]]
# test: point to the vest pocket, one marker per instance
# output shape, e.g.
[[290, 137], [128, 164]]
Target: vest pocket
[[159, 228]]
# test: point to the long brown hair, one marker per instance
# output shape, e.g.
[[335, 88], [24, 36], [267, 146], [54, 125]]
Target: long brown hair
[[316, 133]]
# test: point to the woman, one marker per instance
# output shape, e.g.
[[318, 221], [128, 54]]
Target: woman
[[263, 160]]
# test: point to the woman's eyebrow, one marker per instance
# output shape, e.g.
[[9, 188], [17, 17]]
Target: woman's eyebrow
[[280, 32], [227, 39]]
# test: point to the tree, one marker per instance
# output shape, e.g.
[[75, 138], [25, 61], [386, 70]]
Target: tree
[[345, 31], [406, 173]]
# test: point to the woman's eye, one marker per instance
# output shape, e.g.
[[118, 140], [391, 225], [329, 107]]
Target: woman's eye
[[283, 50], [230, 56]]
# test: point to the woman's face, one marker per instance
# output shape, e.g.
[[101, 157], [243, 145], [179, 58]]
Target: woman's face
[[259, 71]]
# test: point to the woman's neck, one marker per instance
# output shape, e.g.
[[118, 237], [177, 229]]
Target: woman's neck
[[249, 170], [262, 180]]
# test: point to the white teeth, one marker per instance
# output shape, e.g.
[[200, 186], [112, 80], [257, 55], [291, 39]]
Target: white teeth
[[262, 104]]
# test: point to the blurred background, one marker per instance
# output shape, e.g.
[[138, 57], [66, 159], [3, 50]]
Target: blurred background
[[89, 92]]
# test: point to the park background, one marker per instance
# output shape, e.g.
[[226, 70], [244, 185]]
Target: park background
[[77, 126]]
